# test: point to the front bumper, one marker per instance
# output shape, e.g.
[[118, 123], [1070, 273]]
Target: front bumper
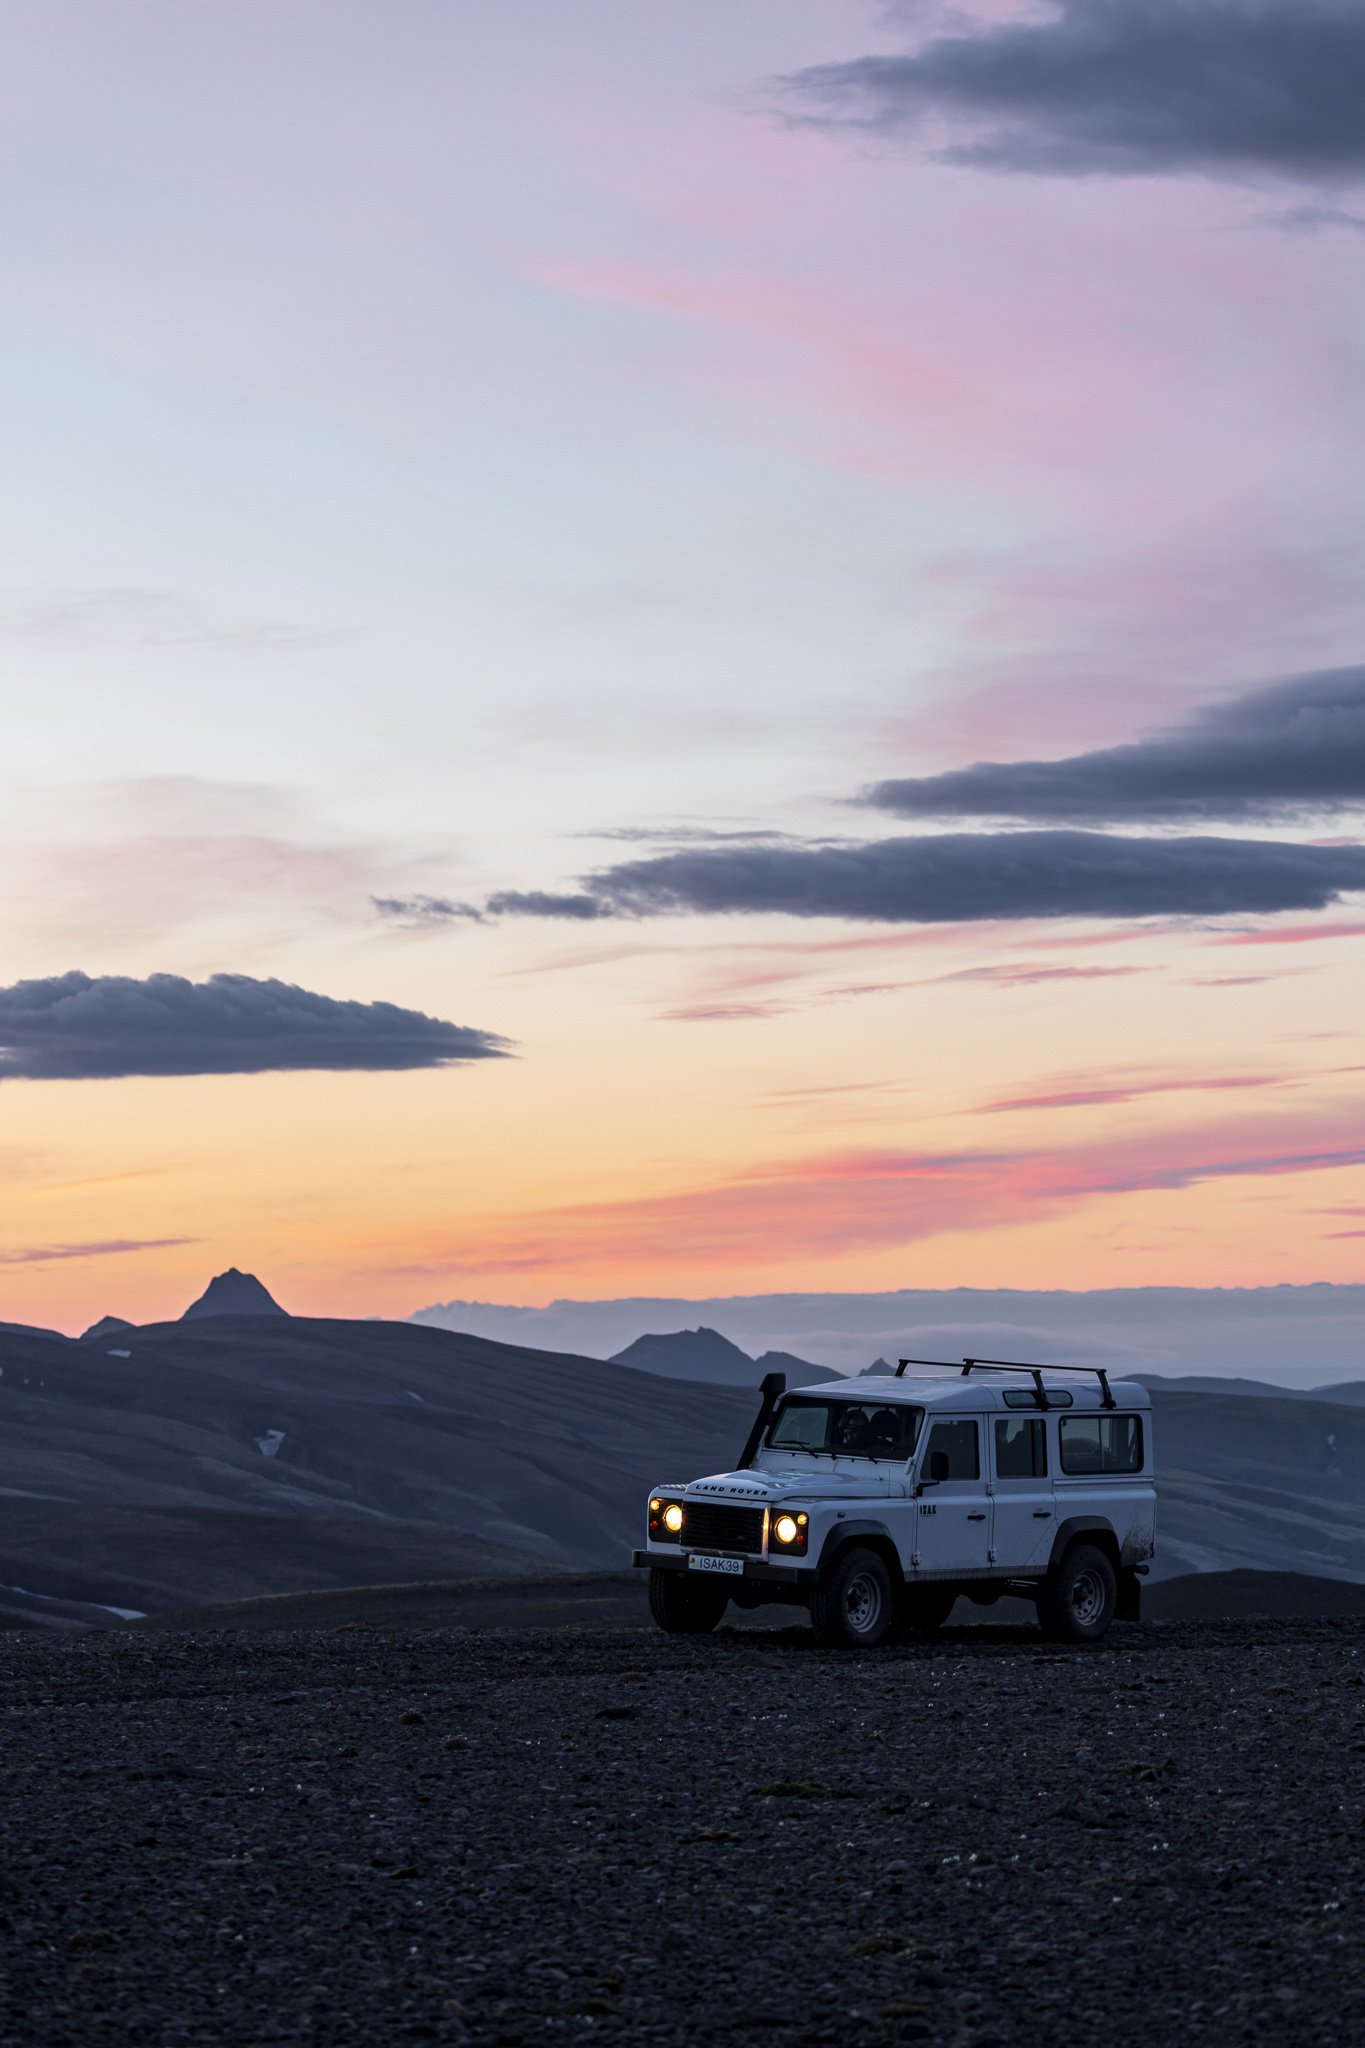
[[771, 1569]]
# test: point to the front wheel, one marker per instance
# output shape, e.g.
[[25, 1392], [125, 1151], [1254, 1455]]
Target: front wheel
[[681, 1607], [1076, 1601], [852, 1607]]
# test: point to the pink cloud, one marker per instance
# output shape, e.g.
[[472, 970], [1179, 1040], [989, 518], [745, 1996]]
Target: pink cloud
[[875, 382], [1028, 972], [834, 1203]]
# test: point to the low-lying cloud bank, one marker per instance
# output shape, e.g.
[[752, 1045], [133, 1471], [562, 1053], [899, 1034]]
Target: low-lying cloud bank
[[1228, 88], [1294, 746], [83, 1027], [957, 877]]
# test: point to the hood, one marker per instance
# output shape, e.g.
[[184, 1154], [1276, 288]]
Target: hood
[[831, 1479]]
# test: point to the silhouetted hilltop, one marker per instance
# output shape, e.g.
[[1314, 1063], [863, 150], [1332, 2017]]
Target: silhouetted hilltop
[[706, 1356], [107, 1326], [234, 1294], [800, 1372]]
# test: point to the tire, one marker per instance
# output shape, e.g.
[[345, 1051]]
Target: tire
[[853, 1605], [925, 1608], [683, 1608], [1077, 1599]]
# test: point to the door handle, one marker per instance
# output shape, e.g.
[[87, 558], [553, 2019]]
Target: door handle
[[976, 1518], [1042, 1514]]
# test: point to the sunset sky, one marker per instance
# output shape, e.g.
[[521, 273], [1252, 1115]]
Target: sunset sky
[[518, 514]]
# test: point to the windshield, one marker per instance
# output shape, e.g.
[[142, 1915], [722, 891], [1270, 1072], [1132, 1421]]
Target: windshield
[[846, 1429]]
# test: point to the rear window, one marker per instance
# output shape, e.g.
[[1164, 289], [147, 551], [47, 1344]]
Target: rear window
[[1101, 1443], [1021, 1450]]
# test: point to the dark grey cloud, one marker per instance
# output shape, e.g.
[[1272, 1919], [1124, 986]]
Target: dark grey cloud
[[1292, 747], [545, 903], [1127, 87], [420, 913], [83, 1027], [954, 877], [426, 913]]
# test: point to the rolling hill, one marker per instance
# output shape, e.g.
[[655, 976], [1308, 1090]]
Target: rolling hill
[[228, 1458]]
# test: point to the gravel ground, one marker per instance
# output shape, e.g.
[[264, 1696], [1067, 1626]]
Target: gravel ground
[[365, 1836]]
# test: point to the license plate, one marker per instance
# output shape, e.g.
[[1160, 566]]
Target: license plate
[[733, 1565]]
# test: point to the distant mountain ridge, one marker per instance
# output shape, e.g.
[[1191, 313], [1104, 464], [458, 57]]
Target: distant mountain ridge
[[234, 1294], [1298, 1336]]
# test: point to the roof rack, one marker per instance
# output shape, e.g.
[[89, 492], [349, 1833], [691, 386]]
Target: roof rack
[[1017, 1365], [1025, 1365]]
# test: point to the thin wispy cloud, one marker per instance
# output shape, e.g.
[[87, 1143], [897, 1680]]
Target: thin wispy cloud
[[114, 1247], [1291, 935], [76, 1026], [1227, 88], [421, 913], [101, 617], [1093, 1094]]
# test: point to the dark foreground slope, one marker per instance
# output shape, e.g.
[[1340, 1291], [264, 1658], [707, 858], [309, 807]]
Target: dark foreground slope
[[251, 1455], [605, 1837]]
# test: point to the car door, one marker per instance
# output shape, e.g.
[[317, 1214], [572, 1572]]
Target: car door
[[952, 1523], [1024, 1507]]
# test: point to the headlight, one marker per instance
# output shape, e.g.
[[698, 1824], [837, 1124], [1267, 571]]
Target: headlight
[[665, 1519], [788, 1532]]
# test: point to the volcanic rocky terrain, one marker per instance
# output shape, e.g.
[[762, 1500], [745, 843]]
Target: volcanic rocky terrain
[[362, 1835]]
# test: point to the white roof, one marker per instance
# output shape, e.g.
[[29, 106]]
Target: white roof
[[980, 1391]]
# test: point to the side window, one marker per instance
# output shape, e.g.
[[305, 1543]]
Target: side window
[[1101, 1443], [959, 1441], [1021, 1449]]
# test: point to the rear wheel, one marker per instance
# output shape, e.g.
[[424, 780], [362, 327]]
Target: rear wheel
[[1076, 1600], [926, 1608], [852, 1607], [681, 1607]]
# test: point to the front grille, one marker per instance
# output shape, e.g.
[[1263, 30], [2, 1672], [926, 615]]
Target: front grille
[[709, 1526]]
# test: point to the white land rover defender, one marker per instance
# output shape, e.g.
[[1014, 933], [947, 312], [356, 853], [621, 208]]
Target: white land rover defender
[[877, 1503]]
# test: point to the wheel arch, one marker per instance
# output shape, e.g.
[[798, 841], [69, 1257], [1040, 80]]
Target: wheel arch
[[863, 1536], [1085, 1529]]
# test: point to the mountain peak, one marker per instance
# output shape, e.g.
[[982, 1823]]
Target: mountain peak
[[107, 1326], [234, 1294]]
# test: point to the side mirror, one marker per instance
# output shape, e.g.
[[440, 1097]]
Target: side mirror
[[939, 1467]]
